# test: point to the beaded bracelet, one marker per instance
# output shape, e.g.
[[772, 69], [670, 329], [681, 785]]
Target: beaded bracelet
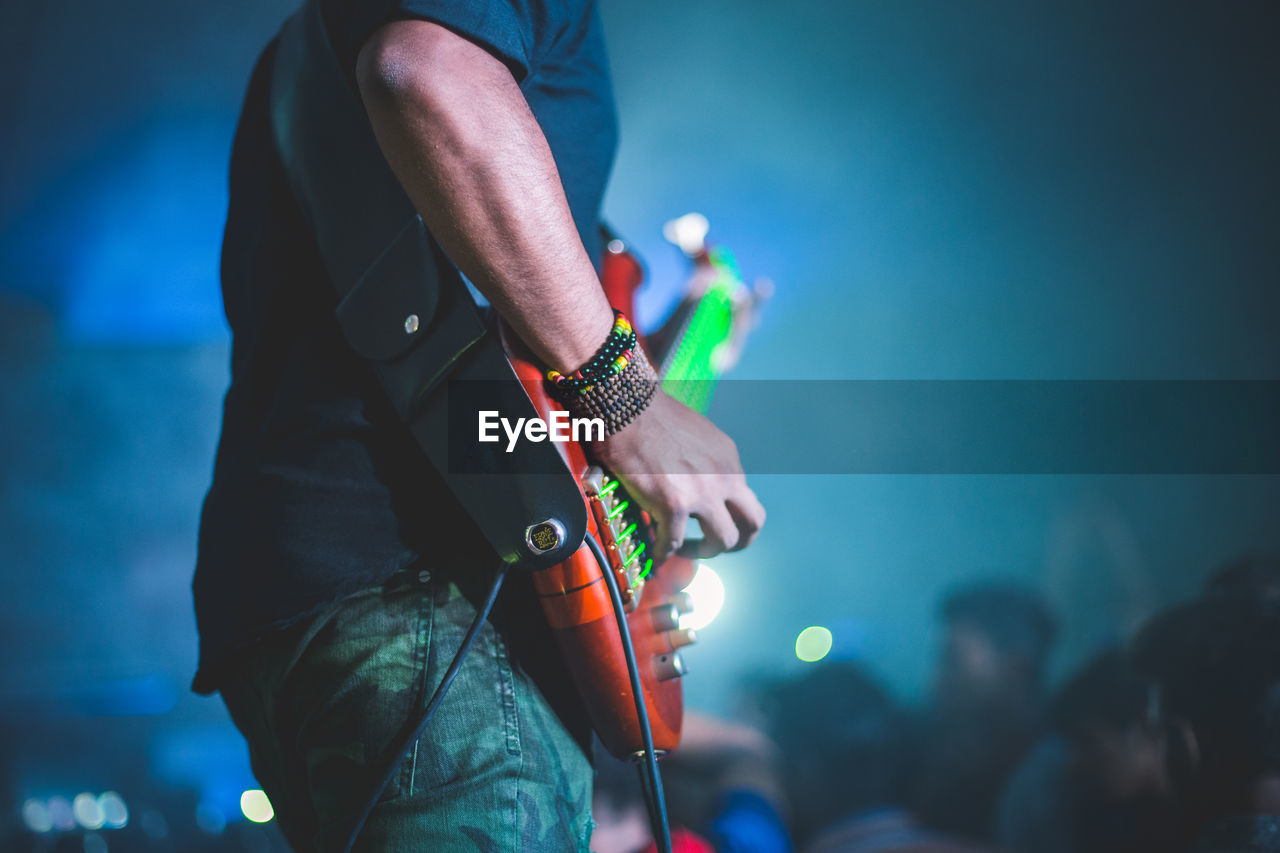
[[615, 387], [619, 398], [610, 359]]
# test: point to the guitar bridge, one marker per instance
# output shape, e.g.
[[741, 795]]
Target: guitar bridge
[[623, 528]]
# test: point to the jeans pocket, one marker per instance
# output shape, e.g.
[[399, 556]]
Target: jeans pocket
[[348, 693], [474, 737], [493, 766]]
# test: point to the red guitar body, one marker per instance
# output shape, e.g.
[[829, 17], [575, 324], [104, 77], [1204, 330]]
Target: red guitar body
[[573, 593]]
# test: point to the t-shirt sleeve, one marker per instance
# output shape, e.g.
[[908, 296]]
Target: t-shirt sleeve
[[505, 28]]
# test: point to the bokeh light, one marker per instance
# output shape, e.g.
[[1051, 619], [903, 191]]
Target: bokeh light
[[707, 591], [88, 811], [61, 815], [256, 806], [115, 814], [813, 644], [36, 816]]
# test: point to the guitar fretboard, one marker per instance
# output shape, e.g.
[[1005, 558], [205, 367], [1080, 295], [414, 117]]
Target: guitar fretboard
[[691, 370]]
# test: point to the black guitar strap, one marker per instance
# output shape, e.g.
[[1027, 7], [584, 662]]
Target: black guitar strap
[[405, 309]]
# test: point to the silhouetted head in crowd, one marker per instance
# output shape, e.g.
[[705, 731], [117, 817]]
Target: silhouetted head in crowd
[[987, 707], [1216, 666], [842, 742], [998, 637], [1258, 574], [1104, 711], [1100, 785]]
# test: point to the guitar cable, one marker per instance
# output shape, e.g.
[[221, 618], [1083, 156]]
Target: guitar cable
[[650, 778], [415, 726]]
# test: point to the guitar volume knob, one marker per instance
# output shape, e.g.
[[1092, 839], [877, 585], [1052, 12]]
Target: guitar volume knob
[[682, 637], [666, 617], [668, 666]]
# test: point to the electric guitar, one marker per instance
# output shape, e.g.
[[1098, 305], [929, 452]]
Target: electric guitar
[[699, 343]]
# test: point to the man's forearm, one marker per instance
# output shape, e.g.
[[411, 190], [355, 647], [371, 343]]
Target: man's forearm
[[459, 135]]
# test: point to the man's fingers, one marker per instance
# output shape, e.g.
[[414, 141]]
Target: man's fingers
[[719, 531], [671, 533], [749, 515]]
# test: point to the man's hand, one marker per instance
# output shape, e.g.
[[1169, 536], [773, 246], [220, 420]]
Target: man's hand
[[677, 464]]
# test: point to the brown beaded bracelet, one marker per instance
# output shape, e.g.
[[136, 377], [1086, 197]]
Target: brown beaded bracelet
[[617, 399]]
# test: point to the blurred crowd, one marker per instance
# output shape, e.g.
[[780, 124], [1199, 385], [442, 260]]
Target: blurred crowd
[[1167, 744]]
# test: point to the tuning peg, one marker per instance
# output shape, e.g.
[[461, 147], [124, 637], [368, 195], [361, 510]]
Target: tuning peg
[[688, 233], [762, 290]]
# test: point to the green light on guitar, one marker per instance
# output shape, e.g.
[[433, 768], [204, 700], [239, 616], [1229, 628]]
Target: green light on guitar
[[691, 374], [634, 555]]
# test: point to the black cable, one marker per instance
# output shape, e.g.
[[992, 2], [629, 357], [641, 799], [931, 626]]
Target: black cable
[[417, 726], [649, 771], [646, 791]]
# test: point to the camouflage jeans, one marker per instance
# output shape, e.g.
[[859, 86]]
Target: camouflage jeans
[[496, 770]]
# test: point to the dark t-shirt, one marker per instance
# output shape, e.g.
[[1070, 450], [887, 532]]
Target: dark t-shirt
[[318, 489]]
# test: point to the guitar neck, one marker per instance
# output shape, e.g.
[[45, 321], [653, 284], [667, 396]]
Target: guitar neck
[[692, 366]]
